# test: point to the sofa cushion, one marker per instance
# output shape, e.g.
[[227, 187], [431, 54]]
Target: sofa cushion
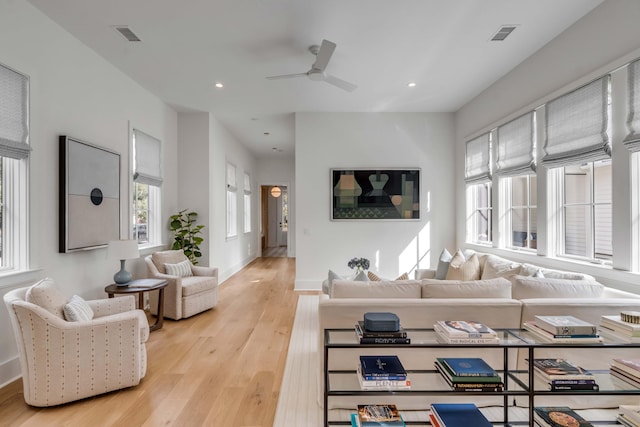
[[375, 278], [443, 264], [382, 289], [461, 268], [196, 284], [77, 310], [495, 266], [46, 295], [530, 270], [491, 288], [181, 269], [526, 287], [161, 258]]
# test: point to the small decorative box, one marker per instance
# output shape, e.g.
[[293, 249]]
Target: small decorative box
[[381, 322]]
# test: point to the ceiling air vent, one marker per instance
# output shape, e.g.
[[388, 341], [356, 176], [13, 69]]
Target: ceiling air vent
[[127, 33], [502, 33]]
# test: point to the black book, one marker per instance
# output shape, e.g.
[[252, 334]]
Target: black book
[[558, 416], [360, 330]]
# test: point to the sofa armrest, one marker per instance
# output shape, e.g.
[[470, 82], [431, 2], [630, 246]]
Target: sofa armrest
[[425, 273], [617, 293], [108, 306], [204, 271]]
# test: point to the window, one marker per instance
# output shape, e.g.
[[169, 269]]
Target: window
[[478, 179], [14, 153], [232, 201], [247, 203], [147, 179], [521, 219]]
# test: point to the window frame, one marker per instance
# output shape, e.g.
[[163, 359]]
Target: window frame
[[231, 201], [154, 199], [248, 217], [473, 210], [506, 201]]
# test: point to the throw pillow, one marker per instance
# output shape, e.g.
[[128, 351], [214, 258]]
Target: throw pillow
[[533, 287], [46, 295], [495, 266], [443, 264], [491, 288], [530, 270], [181, 269], [403, 276], [77, 310], [373, 277], [538, 274], [461, 269]]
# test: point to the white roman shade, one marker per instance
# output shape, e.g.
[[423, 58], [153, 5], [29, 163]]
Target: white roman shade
[[515, 147], [477, 168], [247, 183], [14, 114], [632, 141], [147, 158], [232, 184], [577, 126]]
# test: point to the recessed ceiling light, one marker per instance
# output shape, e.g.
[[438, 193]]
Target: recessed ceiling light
[[411, 84], [219, 85]]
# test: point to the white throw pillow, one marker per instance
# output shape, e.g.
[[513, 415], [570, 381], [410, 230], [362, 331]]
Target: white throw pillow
[[77, 310], [181, 269], [461, 269], [535, 287], [492, 288], [531, 270], [443, 264], [495, 266]]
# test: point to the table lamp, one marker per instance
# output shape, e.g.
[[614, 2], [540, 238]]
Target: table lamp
[[123, 250]]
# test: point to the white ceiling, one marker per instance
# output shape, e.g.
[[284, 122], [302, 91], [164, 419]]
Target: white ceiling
[[189, 45]]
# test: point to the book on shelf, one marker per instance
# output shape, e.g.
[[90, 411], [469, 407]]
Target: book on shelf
[[558, 416], [631, 412], [548, 337], [464, 329], [565, 325], [617, 335], [622, 419], [433, 420], [447, 340], [627, 379], [493, 383], [145, 283], [560, 369], [468, 367], [616, 323], [375, 415], [458, 415], [361, 330], [382, 367], [574, 387], [382, 384], [629, 366]]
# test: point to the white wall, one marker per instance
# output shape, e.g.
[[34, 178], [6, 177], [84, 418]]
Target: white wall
[[604, 39], [279, 171], [73, 92], [375, 140]]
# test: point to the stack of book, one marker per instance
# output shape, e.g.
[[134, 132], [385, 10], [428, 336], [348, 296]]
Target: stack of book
[[469, 374], [464, 332], [629, 415], [562, 375], [628, 370], [562, 329], [616, 329], [382, 373], [558, 416], [377, 415], [457, 415], [387, 337]]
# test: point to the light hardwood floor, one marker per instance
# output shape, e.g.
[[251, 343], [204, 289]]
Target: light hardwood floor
[[222, 367]]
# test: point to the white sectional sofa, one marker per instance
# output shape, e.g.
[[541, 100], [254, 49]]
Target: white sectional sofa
[[506, 295]]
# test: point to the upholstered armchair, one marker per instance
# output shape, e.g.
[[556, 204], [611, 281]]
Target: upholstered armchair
[[191, 290], [62, 361]]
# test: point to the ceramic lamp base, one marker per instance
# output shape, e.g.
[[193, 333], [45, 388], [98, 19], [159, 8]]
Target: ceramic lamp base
[[122, 277]]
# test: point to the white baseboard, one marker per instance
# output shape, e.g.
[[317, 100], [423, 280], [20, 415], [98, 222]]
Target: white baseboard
[[308, 285], [9, 371], [224, 275]]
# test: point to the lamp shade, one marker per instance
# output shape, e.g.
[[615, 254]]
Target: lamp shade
[[123, 249]]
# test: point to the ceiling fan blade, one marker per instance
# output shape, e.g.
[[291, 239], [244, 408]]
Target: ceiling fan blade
[[324, 55], [286, 76], [342, 84]]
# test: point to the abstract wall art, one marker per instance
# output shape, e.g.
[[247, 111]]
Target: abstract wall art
[[375, 194], [89, 195]]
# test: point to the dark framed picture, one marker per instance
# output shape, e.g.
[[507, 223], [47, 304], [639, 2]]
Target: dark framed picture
[[89, 195], [375, 194]]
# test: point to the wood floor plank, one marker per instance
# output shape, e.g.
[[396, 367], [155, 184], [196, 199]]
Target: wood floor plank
[[222, 367]]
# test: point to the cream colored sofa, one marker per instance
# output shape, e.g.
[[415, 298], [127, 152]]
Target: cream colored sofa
[[505, 296], [62, 360]]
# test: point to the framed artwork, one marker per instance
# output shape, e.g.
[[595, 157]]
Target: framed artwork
[[375, 194], [89, 195]]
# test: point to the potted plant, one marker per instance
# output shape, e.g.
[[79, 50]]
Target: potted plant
[[185, 234]]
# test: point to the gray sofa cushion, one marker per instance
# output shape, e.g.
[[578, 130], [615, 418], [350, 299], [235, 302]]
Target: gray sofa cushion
[[382, 289], [536, 287], [492, 288]]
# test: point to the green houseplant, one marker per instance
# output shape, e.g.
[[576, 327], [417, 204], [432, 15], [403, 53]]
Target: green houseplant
[[185, 234]]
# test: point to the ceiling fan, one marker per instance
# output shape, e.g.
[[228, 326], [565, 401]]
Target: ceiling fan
[[323, 55]]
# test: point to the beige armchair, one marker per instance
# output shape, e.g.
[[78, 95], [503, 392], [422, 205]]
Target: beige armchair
[[192, 292], [63, 361]]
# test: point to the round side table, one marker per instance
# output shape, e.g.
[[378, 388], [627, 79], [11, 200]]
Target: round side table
[[139, 287]]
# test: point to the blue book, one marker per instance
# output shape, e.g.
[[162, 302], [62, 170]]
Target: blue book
[[469, 367], [382, 367], [459, 415]]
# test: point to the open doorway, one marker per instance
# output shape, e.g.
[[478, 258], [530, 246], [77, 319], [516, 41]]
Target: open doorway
[[275, 220]]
